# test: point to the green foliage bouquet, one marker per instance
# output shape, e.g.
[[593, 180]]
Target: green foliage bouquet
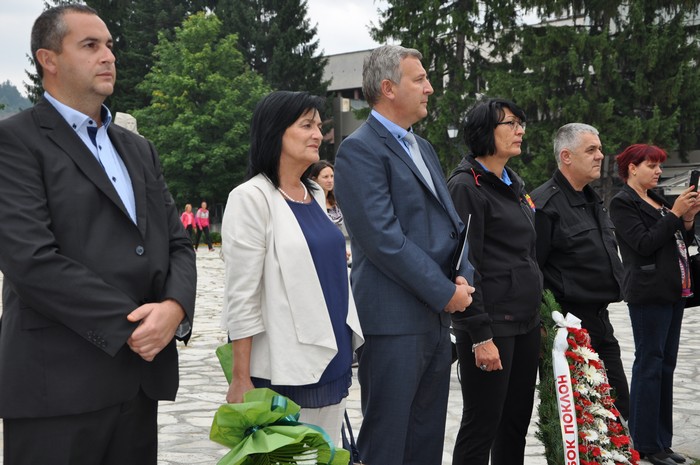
[[265, 430], [549, 428]]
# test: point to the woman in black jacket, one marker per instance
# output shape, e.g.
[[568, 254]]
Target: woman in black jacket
[[498, 337], [653, 238]]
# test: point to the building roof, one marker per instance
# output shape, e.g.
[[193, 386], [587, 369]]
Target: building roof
[[344, 70]]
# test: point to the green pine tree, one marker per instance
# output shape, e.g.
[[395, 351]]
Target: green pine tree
[[629, 69], [454, 38], [278, 41]]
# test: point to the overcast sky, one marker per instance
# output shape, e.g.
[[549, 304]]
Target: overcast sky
[[342, 27]]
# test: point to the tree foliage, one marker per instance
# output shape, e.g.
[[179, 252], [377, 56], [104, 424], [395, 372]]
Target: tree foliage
[[277, 41], [11, 101], [275, 37], [33, 87], [202, 98], [135, 27], [628, 68], [458, 42]]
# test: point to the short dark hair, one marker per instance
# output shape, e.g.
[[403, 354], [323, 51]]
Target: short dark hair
[[481, 121], [50, 29], [636, 154], [272, 116]]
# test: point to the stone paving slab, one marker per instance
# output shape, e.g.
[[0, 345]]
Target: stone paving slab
[[184, 424]]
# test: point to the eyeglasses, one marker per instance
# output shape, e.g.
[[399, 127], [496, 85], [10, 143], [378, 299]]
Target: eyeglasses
[[513, 124]]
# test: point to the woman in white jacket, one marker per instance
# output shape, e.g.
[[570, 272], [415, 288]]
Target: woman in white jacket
[[287, 303]]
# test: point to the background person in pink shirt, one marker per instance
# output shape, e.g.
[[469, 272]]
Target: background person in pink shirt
[[201, 220], [187, 219]]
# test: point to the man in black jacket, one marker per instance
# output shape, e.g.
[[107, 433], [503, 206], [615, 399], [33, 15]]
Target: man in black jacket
[[576, 246]]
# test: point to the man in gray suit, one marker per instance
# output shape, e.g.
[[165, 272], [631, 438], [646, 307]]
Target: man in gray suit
[[409, 272], [99, 275]]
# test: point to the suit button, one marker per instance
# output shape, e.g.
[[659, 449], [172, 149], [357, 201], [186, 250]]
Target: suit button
[[453, 234], [140, 250]]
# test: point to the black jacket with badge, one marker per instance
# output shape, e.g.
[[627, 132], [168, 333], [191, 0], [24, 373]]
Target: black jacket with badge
[[501, 238], [576, 246]]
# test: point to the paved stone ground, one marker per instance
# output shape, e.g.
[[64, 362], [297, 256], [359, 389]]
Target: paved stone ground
[[184, 424]]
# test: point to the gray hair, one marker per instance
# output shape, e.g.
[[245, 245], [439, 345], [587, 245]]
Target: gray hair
[[568, 137], [383, 63]]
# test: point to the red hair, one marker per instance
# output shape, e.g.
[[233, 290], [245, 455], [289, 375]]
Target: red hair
[[635, 154]]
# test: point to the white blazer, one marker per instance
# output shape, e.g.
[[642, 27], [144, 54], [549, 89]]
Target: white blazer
[[272, 291]]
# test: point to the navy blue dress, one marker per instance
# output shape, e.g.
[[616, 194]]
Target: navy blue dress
[[327, 246]]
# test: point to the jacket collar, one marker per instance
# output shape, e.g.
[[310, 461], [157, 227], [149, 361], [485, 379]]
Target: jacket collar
[[651, 193], [642, 204], [472, 167], [64, 137], [394, 145], [574, 197]]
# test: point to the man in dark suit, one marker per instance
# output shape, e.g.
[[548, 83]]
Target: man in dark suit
[[98, 272], [407, 274]]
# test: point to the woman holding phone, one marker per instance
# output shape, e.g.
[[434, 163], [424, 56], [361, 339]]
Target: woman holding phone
[[653, 236]]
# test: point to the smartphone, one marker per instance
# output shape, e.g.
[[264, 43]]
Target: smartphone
[[694, 178]]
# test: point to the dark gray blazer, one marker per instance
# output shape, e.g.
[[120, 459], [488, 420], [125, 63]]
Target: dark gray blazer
[[75, 265], [404, 238]]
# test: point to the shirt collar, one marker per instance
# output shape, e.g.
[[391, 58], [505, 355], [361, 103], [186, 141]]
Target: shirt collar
[[76, 119], [504, 176], [397, 131]]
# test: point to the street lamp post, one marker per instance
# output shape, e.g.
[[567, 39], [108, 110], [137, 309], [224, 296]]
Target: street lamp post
[[452, 131]]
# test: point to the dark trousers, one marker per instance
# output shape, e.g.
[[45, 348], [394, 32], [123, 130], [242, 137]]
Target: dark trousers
[[190, 233], [497, 404], [595, 319], [404, 386], [205, 229], [657, 330], [123, 434]]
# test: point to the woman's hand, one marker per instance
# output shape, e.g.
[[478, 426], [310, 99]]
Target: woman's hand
[[487, 357], [692, 211], [686, 203], [236, 390]]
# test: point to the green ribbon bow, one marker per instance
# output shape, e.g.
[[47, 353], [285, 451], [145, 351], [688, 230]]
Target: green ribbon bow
[[265, 428]]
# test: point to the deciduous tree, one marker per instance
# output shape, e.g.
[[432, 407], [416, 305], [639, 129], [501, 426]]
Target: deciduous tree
[[134, 26], [202, 98]]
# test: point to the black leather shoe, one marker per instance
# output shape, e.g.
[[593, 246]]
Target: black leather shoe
[[659, 458], [676, 457]]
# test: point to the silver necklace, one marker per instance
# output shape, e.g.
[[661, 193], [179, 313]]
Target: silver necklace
[[287, 196]]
